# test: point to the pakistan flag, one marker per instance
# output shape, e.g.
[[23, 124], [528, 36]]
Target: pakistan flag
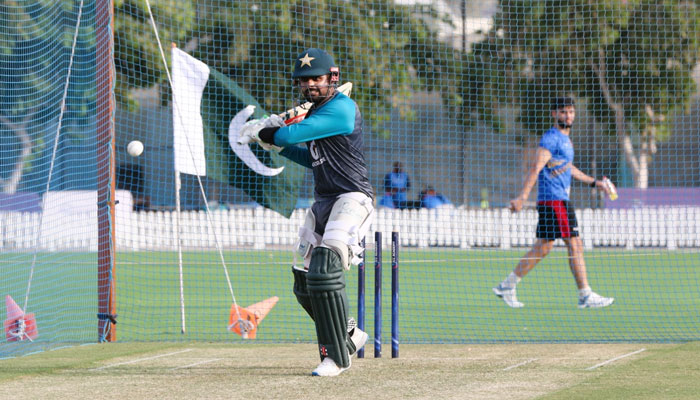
[[208, 110]]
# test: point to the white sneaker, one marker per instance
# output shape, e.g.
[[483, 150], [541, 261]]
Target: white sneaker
[[508, 295], [359, 338], [328, 367], [594, 300]]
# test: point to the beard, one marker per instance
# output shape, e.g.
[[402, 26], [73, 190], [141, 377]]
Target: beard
[[313, 95], [316, 94], [562, 124]]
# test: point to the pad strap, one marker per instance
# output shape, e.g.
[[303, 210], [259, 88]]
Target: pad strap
[[300, 290], [309, 235]]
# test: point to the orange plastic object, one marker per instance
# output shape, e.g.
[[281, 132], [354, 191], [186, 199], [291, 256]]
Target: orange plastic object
[[244, 321], [18, 325]]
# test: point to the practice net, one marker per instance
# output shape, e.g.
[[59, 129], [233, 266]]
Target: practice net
[[97, 244]]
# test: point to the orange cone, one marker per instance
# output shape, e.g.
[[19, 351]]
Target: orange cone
[[244, 321], [262, 308], [18, 325], [13, 310]]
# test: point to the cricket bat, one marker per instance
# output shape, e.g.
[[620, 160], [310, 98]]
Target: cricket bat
[[296, 114]]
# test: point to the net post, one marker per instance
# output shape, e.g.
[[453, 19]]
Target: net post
[[106, 306]]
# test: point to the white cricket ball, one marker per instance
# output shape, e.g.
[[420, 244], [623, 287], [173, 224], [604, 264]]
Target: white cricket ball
[[134, 148]]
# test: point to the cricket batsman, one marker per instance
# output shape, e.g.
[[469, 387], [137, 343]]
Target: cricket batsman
[[329, 240]]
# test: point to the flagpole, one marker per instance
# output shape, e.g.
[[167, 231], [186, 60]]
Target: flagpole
[[197, 171], [178, 217], [177, 175], [184, 143], [178, 211]]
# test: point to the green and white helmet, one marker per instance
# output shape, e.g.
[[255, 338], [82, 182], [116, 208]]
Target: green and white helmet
[[315, 62]]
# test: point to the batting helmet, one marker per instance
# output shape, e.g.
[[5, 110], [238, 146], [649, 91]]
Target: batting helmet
[[315, 62]]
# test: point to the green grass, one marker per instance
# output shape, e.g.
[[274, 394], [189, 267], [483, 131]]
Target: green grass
[[666, 373], [445, 296], [271, 371]]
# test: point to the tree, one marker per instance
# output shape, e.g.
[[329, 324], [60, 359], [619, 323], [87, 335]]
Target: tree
[[631, 59], [372, 41], [36, 48], [137, 58]]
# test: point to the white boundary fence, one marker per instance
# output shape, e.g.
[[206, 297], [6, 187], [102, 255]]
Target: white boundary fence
[[259, 228]]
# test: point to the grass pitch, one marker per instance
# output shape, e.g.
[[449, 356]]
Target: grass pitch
[[458, 341], [236, 371]]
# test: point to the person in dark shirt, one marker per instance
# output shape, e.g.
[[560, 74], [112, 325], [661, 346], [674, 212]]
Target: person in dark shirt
[[343, 202]]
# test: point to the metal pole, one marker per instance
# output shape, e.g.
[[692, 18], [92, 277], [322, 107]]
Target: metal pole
[[106, 304]]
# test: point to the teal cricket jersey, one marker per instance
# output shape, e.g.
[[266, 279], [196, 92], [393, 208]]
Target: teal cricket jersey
[[332, 133]]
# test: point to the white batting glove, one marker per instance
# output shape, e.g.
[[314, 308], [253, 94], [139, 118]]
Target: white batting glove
[[249, 131], [274, 121]]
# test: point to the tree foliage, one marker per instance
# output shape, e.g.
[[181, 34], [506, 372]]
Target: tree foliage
[[631, 60], [255, 44], [137, 59], [34, 57]]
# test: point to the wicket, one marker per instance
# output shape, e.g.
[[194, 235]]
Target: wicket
[[378, 295]]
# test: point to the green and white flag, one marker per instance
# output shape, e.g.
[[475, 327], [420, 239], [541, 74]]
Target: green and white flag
[[208, 110]]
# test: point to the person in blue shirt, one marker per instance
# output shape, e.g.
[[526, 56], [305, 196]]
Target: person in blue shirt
[[553, 170], [398, 183], [329, 141], [430, 198], [386, 201]]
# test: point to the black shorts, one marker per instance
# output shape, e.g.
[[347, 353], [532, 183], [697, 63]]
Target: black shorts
[[556, 220]]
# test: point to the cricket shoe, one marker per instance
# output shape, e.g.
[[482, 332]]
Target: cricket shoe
[[328, 367], [594, 300], [508, 295]]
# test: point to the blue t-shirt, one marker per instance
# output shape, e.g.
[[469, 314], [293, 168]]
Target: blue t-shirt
[[386, 201], [400, 183], [434, 201], [554, 180]]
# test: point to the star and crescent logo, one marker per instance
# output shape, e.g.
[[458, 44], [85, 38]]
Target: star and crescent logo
[[306, 60], [242, 150]]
